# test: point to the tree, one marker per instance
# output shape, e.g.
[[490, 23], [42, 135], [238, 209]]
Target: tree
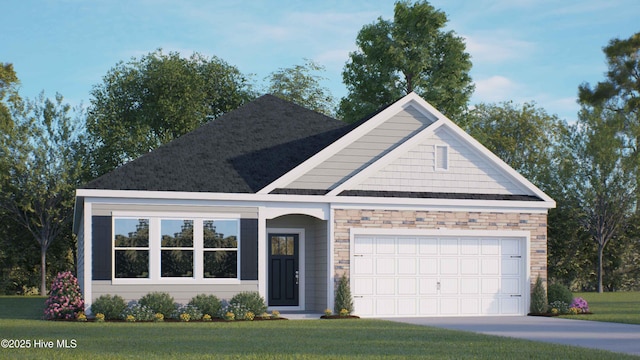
[[602, 185], [149, 101], [299, 84], [42, 168], [8, 93], [620, 93], [410, 53], [524, 136]]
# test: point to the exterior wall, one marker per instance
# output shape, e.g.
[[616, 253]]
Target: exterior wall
[[363, 151], [182, 294], [536, 224], [80, 255], [467, 172], [315, 256], [107, 208]]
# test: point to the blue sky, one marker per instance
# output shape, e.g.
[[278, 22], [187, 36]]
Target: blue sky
[[522, 50]]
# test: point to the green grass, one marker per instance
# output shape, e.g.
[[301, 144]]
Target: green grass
[[620, 307], [322, 339]]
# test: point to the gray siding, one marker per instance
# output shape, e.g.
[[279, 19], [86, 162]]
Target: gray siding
[[181, 293], [106, 209], [364, 151]]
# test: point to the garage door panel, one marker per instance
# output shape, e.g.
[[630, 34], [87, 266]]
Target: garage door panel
[[407, 286], [428, 246], [385, 286], [363, 266], [428, 286], [407, 266], [407, 246], [428, 266], [385, 266], [438, 276], [449, 266]]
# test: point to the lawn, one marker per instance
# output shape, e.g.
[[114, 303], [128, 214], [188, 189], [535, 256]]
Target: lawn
[[620, 307], [324, 339]]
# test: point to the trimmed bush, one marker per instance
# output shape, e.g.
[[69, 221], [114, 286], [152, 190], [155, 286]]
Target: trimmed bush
[[557, 292], [249, 301], [559, 307], [138, 312], [111, 307], [538, 298], [343, 300], [65, 300], [207, 304], [188, 311], [159, 302]]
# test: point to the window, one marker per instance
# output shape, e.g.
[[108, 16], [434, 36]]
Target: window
[[131, 247], [176, 250], [442, 157], [220, 248], [168, 249]]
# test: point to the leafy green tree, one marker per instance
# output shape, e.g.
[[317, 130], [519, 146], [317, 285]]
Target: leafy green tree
[[8, 94], [42, 168], [149, 101], [524, 136], [410, 53], [620, 93], [602, 185], [300, 84]]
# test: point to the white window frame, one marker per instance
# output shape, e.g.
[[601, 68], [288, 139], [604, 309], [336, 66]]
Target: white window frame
[[155, 247], [438, 150]]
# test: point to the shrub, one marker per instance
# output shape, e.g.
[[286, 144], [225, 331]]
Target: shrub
[[190, 310], [159, 302], [343, 298], [561, 307], [65, 300], [249, 316], [207, 304], [580, 304], [239, 311], [99, 317], [558, 292], [538, 298], [81, 317], [206, 317], [138, 312], [250, 300], [110, 306]]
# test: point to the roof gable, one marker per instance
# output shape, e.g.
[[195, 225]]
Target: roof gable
[[406, 169], [240, 152]]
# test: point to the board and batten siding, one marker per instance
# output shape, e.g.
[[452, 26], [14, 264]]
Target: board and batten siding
[[364, 151], [468, 172]]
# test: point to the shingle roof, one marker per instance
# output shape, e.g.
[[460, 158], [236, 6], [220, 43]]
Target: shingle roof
[[240, 152]]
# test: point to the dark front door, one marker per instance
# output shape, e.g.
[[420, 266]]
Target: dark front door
[[284, 273]]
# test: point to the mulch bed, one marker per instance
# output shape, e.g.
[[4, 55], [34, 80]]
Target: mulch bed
[[339, 317], [554, 315]]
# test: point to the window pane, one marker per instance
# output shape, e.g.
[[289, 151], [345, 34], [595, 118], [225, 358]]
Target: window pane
[[132, 264], [131, 232], [221, 264], [177, 233], [220, 234], [282, 245], [176, 263]]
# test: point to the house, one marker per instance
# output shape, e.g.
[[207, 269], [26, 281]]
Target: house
[[274, 198]]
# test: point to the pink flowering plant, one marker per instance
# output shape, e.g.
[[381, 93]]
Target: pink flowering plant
[[580, 304], [65, 299]]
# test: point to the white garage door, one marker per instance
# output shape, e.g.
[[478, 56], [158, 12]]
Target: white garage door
[[438, 276]]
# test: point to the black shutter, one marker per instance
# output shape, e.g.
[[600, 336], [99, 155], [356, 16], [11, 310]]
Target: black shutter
[[249, 249], [101, 247]]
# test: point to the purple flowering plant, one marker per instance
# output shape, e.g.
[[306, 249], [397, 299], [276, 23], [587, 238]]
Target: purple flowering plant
[[65, 299], [581, 304]]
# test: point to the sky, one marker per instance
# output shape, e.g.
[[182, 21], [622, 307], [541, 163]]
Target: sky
[[522, 50]]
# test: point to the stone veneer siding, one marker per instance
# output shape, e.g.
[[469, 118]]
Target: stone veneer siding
[[536, 224]]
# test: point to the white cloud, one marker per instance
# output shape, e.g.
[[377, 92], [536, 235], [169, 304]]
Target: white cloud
[[495, 89], [497, 47]]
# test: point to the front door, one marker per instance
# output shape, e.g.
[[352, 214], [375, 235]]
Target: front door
[[284, 276]]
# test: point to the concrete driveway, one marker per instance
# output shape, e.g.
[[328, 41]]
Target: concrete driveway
[[590, 334]]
